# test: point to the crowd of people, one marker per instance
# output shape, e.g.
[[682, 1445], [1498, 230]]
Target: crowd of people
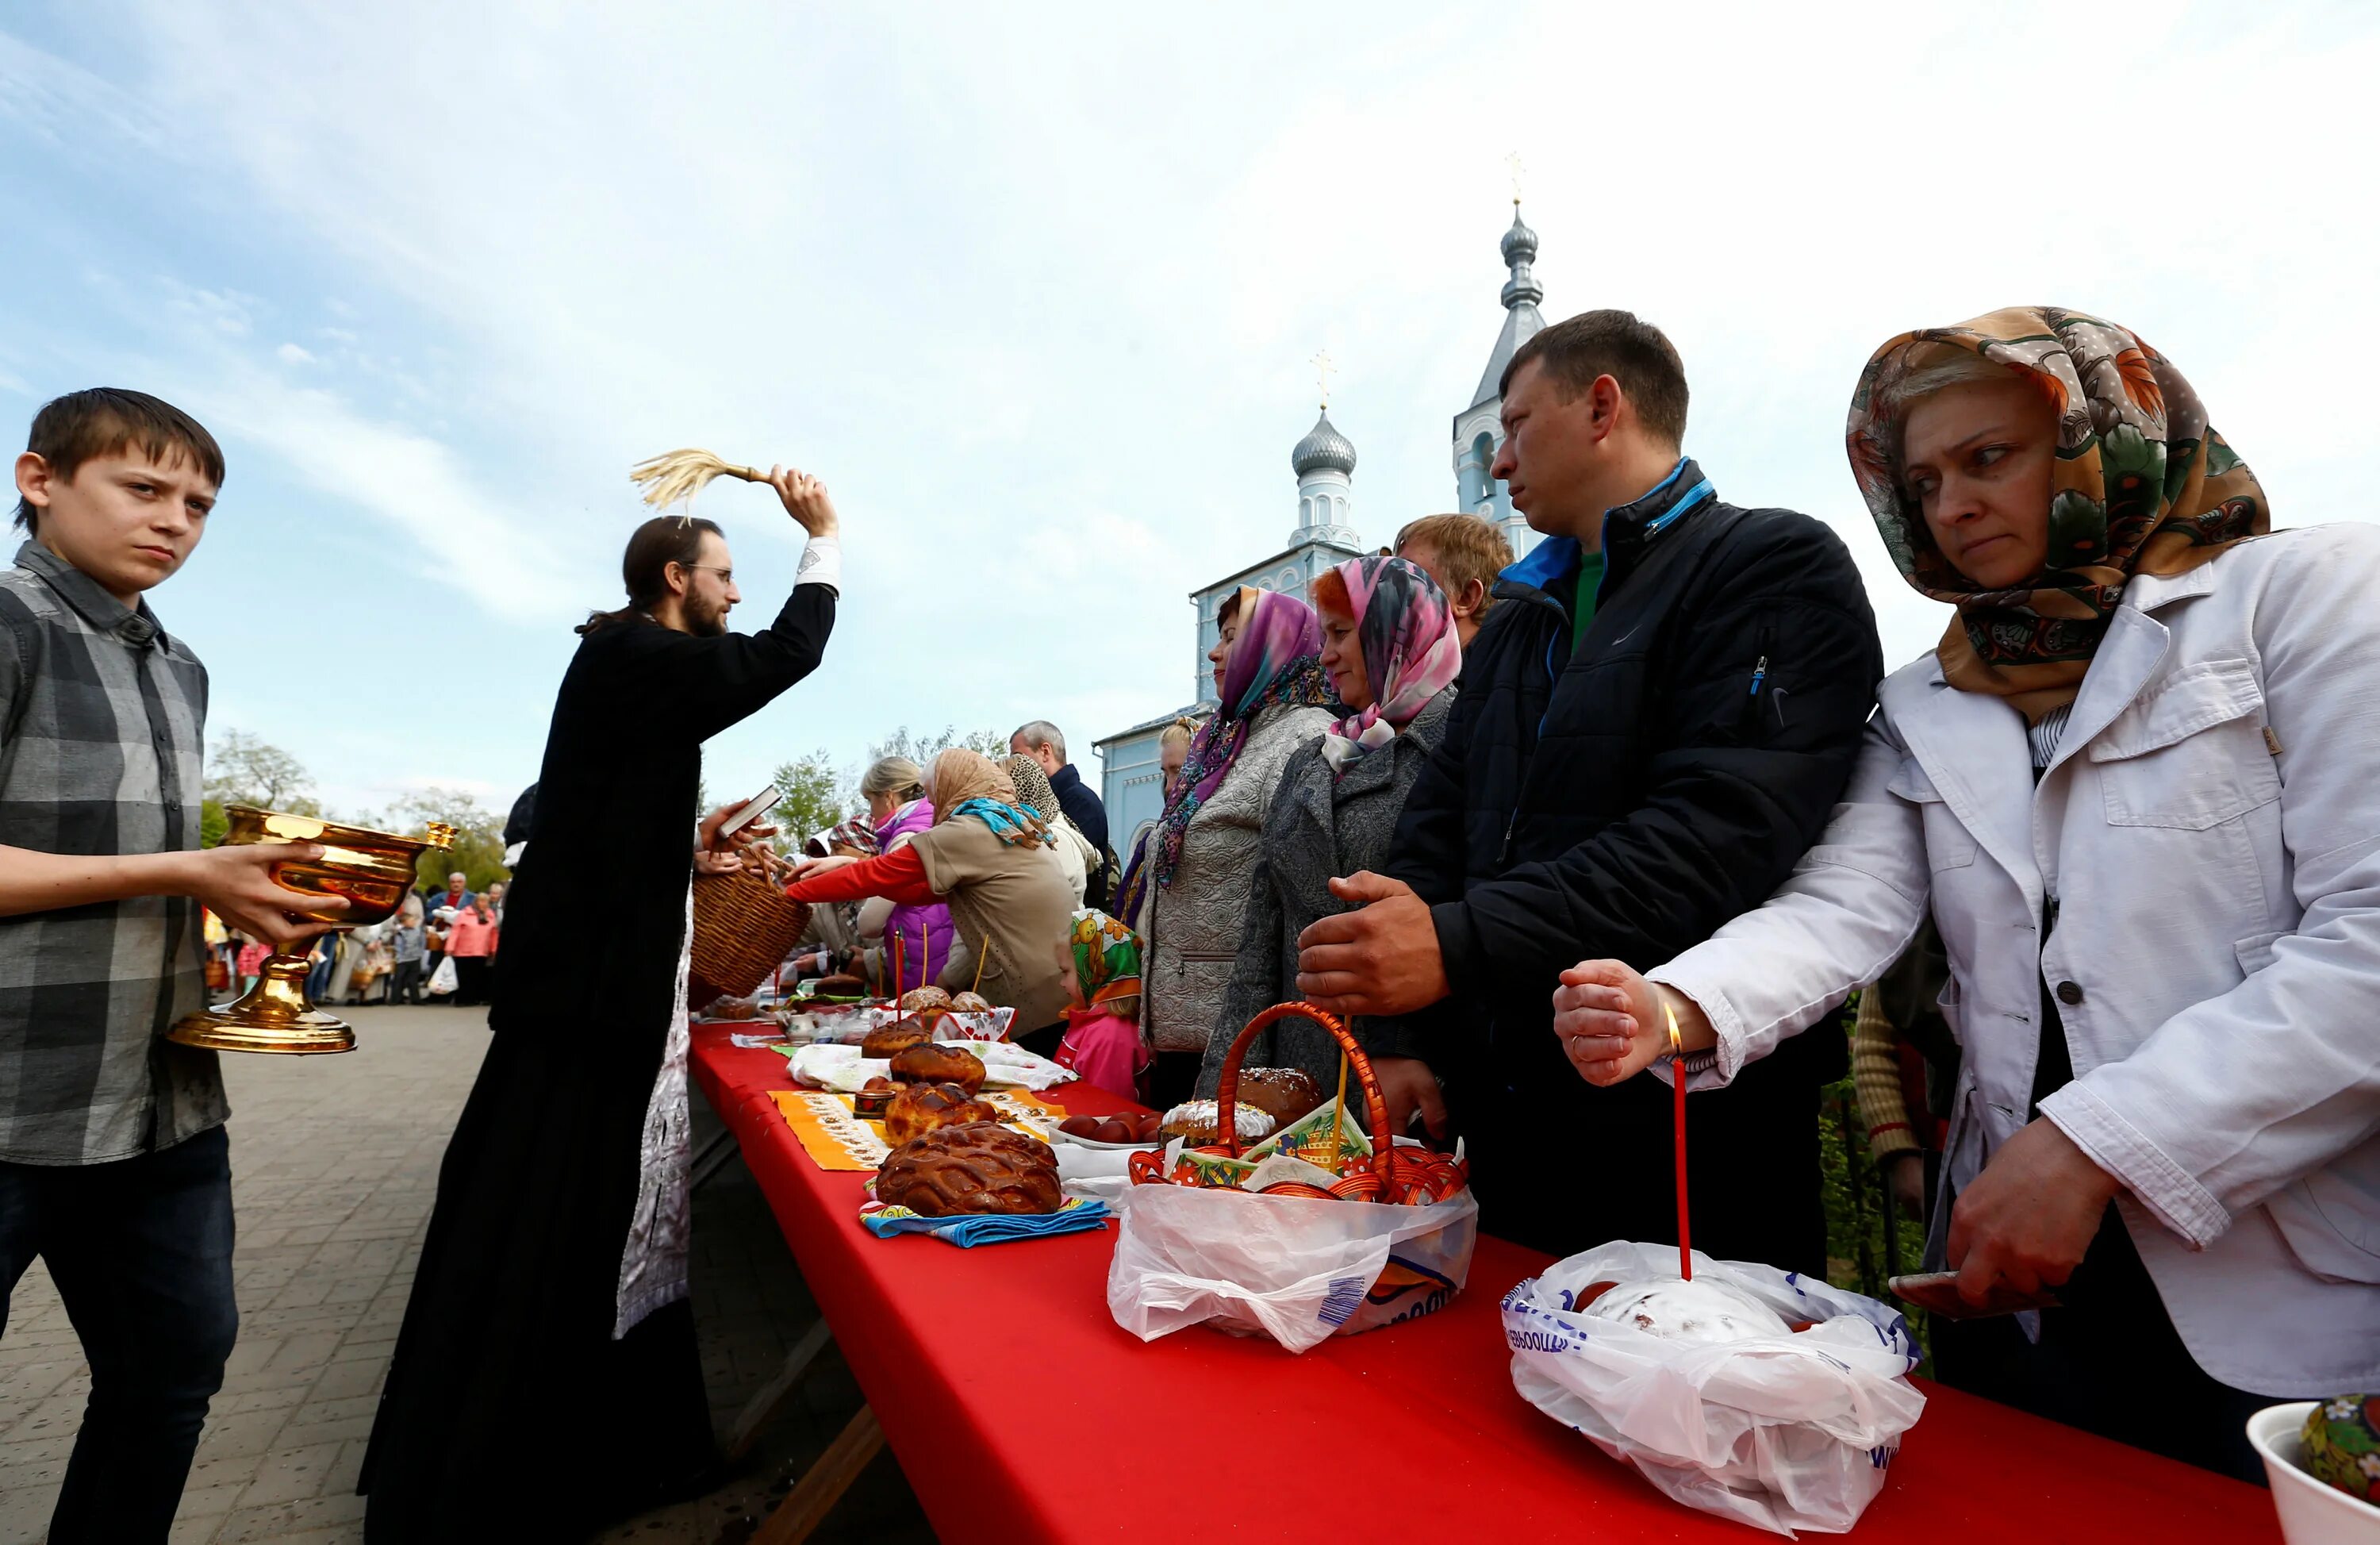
[[398, 961], [1642, 806]]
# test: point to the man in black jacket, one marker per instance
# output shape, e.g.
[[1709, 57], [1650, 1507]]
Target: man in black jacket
[[1649, 732]]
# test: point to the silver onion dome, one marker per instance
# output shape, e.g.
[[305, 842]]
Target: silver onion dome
[[1520, 249], [1323, 448]]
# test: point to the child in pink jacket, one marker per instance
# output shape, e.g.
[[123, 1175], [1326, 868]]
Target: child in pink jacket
[[1102, 1040]]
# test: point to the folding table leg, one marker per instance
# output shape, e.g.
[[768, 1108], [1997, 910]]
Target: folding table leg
[[713, 1159], [823, 1484], [762, 1407]]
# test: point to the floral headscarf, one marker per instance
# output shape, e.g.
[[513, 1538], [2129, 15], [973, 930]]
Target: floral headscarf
[[1411, 651], [1106, 957], [962, 783], [1276, 659], [855, 832], [2142, 485], [1033, 790]]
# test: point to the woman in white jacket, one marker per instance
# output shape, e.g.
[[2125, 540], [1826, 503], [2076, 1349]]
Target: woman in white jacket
[[2138, 784]]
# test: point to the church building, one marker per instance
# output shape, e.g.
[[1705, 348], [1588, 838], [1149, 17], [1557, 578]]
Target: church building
[[1324, 464]]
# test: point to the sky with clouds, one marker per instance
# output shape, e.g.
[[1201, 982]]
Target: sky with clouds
[[1034, 288]]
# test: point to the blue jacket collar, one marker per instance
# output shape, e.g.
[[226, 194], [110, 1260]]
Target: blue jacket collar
[[1555, 561]]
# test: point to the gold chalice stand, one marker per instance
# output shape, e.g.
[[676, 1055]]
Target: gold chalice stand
[[372, 870]]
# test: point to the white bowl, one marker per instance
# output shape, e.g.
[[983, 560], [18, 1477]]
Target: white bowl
[[2311, 1513]]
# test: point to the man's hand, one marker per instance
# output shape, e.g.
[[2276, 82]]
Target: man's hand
[[708, 862], [236, 884], [2029, 1217], [806, 500], [708, 840], [1613, 1025], [1381, 959], [1408, 1085]]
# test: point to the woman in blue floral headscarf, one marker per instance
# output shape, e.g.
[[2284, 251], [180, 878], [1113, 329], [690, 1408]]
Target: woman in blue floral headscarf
[[1185, 890]]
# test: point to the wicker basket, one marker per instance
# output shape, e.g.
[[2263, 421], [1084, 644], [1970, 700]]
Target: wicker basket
[[744, 927], [1406, 1178]]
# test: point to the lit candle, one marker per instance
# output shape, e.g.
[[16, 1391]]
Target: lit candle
[[1678, 1125]]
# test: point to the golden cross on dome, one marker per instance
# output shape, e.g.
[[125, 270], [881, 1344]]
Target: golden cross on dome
[[1323, 366], [1512, 162]]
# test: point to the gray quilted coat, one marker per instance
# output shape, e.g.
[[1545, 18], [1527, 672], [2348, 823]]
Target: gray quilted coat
[[1318, 828], [1192, 926]]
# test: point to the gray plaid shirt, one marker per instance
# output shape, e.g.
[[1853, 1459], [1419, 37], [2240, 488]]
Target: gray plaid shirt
[[101, 715]]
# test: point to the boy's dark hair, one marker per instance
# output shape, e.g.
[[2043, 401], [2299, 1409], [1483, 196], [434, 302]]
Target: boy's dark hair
[[1634, 353], [102, 420], [652, 547]]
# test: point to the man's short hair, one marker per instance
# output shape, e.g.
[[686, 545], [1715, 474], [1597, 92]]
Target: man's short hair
[[1041, 733], [102, 420], [1466, 547], [1634, 353]]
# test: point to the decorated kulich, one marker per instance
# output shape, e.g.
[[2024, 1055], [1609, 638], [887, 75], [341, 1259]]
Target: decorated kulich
[[1200, 1122], [2342, 1445], [372, 870]]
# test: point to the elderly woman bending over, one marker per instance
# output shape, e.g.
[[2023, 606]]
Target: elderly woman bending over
[[2134, 785], [990, 863]]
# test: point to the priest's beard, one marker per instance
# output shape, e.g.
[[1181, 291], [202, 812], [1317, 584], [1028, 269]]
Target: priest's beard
[[703, 620]]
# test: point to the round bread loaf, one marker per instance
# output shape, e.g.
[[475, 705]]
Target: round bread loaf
[[980, 1167], [970, 1003], [929, 1064], [898, 1036], [1282, 1093], [1699, 1313], [922, 1108], [1198, 1123], [921, 998], [841, 986]]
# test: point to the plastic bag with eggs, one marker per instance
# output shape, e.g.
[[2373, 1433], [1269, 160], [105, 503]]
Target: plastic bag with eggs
[[1751, 1392]]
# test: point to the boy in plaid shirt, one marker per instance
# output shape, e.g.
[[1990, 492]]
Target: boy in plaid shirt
[[113, 1164]]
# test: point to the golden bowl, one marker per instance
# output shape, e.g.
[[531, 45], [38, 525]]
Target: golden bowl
[[372, 870]]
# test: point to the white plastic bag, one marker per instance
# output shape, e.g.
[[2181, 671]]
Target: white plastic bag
[[1298, 1269], [1782, 1433], [443, 981]]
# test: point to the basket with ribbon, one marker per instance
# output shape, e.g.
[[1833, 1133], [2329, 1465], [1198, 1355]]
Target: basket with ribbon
[[1318, 1230]]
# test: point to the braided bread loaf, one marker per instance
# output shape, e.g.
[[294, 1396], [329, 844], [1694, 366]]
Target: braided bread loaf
[[980, 1167]]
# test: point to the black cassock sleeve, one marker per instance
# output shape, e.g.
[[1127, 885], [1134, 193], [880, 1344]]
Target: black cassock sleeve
[[709, 684]]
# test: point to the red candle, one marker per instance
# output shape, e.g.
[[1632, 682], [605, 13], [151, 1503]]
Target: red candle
[[1678, 1125], [897, 964]]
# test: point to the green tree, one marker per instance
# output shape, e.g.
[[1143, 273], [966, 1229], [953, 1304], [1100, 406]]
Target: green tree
[[921, 748], [811, 796], [479, 849], [245, 770]]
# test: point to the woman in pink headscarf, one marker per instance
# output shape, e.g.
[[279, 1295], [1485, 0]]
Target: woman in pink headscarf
[[1392, 653]]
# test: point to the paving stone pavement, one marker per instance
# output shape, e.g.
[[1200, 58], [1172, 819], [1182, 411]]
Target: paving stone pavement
[[335, 1164]]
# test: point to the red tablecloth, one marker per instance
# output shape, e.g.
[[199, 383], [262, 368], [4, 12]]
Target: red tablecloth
[[1019, 1410]]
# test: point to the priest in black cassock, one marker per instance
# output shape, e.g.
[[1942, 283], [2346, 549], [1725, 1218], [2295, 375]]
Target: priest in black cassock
[[546, 1380]]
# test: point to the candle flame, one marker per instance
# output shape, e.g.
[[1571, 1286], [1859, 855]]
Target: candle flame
[[1677, 1041]]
